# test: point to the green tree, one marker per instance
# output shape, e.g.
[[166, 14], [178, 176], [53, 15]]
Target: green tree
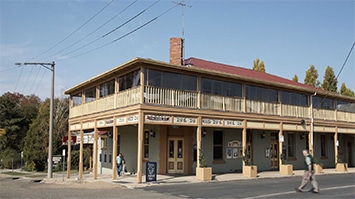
[[36, 140], [329, 80], [295, 78], [346, 91], [259, 65], [311, 76], [16, 114]]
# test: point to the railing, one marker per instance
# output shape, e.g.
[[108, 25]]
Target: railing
[[259, 107], [217, 102], [128, 97], [170, 97], [345, 116], [295, 111], [189, 99], [324, 114]]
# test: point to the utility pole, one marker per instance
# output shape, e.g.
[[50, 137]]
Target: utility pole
[[182, 27], [49, 66]]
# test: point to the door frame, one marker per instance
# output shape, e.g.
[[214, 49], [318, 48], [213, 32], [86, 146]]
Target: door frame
[[176, 160]]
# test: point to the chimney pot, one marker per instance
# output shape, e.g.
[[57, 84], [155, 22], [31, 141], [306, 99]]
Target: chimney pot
[[176, 51]]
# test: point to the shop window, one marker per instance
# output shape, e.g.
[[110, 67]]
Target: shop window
[[291, 145], [90, 94], [218, 145], [146, 144], [107, 88], [77, 99], [323, 147]]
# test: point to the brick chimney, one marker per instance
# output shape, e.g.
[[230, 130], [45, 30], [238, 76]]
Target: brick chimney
[[176, 48]]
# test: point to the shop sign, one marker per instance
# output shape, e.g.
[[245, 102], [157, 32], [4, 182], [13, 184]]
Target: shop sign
[[109, 122], [212, 122], [185, 120], [157, 118], [121, 120], [151, 172], [101, 123], [132, 119], [233, 123]]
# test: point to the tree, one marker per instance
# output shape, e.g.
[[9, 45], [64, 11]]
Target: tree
[[346, 91], [36, 140], [311, 76], [329, 80], [16, 114], [259, 65], [295, 78]]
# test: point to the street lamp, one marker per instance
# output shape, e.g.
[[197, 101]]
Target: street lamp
[[49, 66]]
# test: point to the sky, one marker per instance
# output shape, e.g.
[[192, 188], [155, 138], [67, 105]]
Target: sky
[[288, 36]]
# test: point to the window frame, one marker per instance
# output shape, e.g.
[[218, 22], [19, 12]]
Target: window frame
[[218, 145], [323, 146], [146, 142], [291, 146]]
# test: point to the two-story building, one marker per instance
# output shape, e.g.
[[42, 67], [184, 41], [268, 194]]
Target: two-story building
[[166, 112]]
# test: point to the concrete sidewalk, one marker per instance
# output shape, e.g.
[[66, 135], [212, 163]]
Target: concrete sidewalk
[[129, 181]]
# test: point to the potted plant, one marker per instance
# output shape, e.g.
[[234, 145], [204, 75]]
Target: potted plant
[[203, 172], [318, 167], [285, 169], [341, 166], [249, 170]]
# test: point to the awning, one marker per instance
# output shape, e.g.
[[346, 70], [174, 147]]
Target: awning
[[102, 132]]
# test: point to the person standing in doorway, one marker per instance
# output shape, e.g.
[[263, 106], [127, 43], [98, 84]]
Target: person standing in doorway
[[119, 161], [308, 173]]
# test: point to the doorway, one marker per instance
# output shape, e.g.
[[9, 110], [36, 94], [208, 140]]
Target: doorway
[[175, 155], [274, 153], [350, 154]]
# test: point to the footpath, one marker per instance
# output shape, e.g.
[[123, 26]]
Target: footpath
[[130, 181]]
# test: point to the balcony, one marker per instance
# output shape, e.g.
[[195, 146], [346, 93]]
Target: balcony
[[194, 100]]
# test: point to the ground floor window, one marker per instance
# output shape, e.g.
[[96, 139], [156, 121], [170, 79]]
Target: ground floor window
[[218, 145], [291, 144], [146, 144], [323, 147]]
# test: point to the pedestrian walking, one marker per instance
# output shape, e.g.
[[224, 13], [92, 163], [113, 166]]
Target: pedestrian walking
[[119, 161], [308, 175]]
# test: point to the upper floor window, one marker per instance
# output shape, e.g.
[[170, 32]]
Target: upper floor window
[[129, 80], [221, 87], [261, 94], [345, 106], [77, 99], [323, 103], [170, 80], [294, 98], [90, 94], [107, 88]]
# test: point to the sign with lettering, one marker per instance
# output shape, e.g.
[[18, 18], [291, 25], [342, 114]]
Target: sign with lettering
[[212, 122], [151, 172], [157, 118], [185, 120], [233, 123], [121, 120], [101, 123], [109, 122], [132, 119]]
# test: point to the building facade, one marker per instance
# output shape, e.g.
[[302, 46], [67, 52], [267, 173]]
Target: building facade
[[171, 112]]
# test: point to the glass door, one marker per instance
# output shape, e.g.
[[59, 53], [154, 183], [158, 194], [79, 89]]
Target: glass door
[[175, 155]]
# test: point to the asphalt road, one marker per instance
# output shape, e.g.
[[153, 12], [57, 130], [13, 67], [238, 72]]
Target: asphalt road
[[332, 186]]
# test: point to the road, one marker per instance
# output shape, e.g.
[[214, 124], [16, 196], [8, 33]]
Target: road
[[332, 186]]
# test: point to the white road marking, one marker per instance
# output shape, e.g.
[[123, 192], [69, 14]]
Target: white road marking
[[290, 192]]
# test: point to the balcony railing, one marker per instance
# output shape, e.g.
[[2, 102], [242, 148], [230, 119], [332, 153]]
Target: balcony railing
[[170, 97], [190, 99]]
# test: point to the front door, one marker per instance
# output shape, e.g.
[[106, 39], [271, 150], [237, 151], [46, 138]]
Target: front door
[[274, 153], [176, 155]]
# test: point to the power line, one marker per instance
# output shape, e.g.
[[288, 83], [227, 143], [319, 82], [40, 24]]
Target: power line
[[73, 31], [98, 28], [113, 30], [18, 79], [33, 82], [127, 34], [341, 69], [28, 78]]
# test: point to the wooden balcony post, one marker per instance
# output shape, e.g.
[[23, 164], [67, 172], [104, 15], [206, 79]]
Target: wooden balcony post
[[81, 153], [114, 149], [281, 143], [244, 139], [335, 145], [198, 139], [95, 154], [140, 136]]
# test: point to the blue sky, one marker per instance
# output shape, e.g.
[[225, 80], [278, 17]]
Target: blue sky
[[288, 36]]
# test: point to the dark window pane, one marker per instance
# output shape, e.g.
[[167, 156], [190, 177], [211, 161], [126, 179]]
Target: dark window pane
[[217, 87], [294, 99], [107, 88], [218, 138], [217, 152], [77, 99], [345, 106], [261, 94], [90, 94], [323, 103], [129, 80]]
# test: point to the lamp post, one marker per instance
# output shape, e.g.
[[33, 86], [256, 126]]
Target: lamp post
[[49, 66]]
